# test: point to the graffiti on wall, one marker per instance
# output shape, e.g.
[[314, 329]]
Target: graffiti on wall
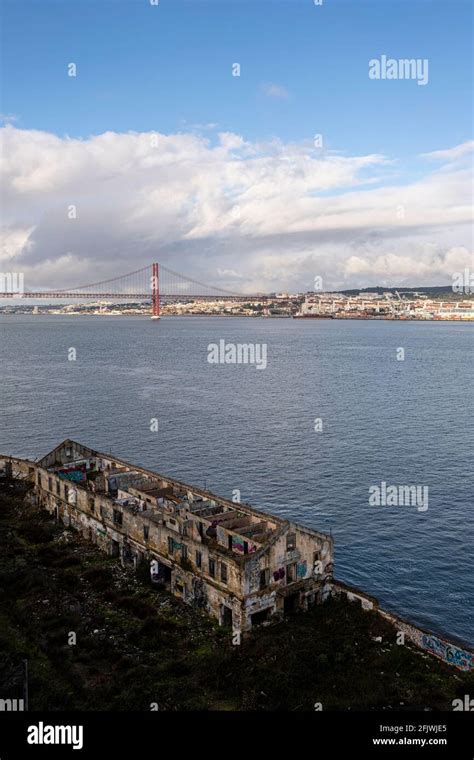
[[238, 545], [77, 475], [262, 602], [254, 572], [449, 653], [221, 535], [278, 575], [301, 570], [328, 570]]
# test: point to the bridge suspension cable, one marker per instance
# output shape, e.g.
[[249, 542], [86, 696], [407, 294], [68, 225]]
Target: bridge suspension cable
[[104, 282], [149, 282]]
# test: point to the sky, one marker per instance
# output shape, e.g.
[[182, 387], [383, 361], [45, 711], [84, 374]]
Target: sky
[[301, 166]]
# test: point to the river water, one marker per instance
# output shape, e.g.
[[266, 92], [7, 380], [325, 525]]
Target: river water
[[233, 426]]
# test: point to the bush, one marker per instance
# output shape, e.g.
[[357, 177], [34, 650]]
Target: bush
[[100, 578]]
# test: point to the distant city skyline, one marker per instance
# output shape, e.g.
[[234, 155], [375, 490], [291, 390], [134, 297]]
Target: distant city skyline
[[244, 144]]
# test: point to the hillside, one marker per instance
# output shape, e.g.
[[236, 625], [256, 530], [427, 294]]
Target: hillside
[[136, 646]]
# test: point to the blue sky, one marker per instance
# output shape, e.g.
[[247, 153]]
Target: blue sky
[[234, 190], [142, 67]]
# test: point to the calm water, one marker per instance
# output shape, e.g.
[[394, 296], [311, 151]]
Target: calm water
[[403, 422]]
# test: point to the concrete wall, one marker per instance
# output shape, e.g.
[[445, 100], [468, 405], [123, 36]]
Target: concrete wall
[[450, 653], [20, 467], [354, 595], [309, 579], [308, 543]]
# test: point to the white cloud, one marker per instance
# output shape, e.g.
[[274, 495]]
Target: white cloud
[[13, 241], [8, 118], [451, 153], [241, 215], [272, 90], [430, 262], [204, 127]]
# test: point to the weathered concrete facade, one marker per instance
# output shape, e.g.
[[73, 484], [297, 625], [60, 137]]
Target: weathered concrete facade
[[241, 565]]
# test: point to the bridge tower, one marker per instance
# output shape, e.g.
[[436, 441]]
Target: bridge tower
[[155, 291]]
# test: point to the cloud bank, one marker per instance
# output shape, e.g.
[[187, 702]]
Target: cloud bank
[[241, 215]]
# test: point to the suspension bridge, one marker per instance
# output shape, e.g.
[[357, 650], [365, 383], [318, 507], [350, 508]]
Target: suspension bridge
[[154, 282]]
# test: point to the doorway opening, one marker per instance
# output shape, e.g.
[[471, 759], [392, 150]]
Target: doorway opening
[[226, 616], [290, 604], [260, 617], [115, 548]]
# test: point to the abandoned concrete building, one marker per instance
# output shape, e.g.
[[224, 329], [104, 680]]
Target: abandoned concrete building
[[241, 565]]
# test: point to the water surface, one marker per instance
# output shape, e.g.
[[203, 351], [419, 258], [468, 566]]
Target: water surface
[[235, 427]]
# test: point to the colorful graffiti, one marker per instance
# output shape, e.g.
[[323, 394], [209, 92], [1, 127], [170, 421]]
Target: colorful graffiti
[[238, 544], [278, 575], [241, 546], [444, 650], [301, 570], [76, 476], [448, 652]]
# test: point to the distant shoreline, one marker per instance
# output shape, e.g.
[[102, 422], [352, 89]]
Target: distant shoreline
[[355, 318]]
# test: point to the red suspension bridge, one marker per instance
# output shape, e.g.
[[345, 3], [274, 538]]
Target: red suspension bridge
[[154, 283]]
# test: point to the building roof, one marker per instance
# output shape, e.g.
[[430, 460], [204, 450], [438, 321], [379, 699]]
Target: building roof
[[196, 508]]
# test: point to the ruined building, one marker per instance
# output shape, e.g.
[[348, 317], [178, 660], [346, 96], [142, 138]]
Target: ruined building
[[241, 565]]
